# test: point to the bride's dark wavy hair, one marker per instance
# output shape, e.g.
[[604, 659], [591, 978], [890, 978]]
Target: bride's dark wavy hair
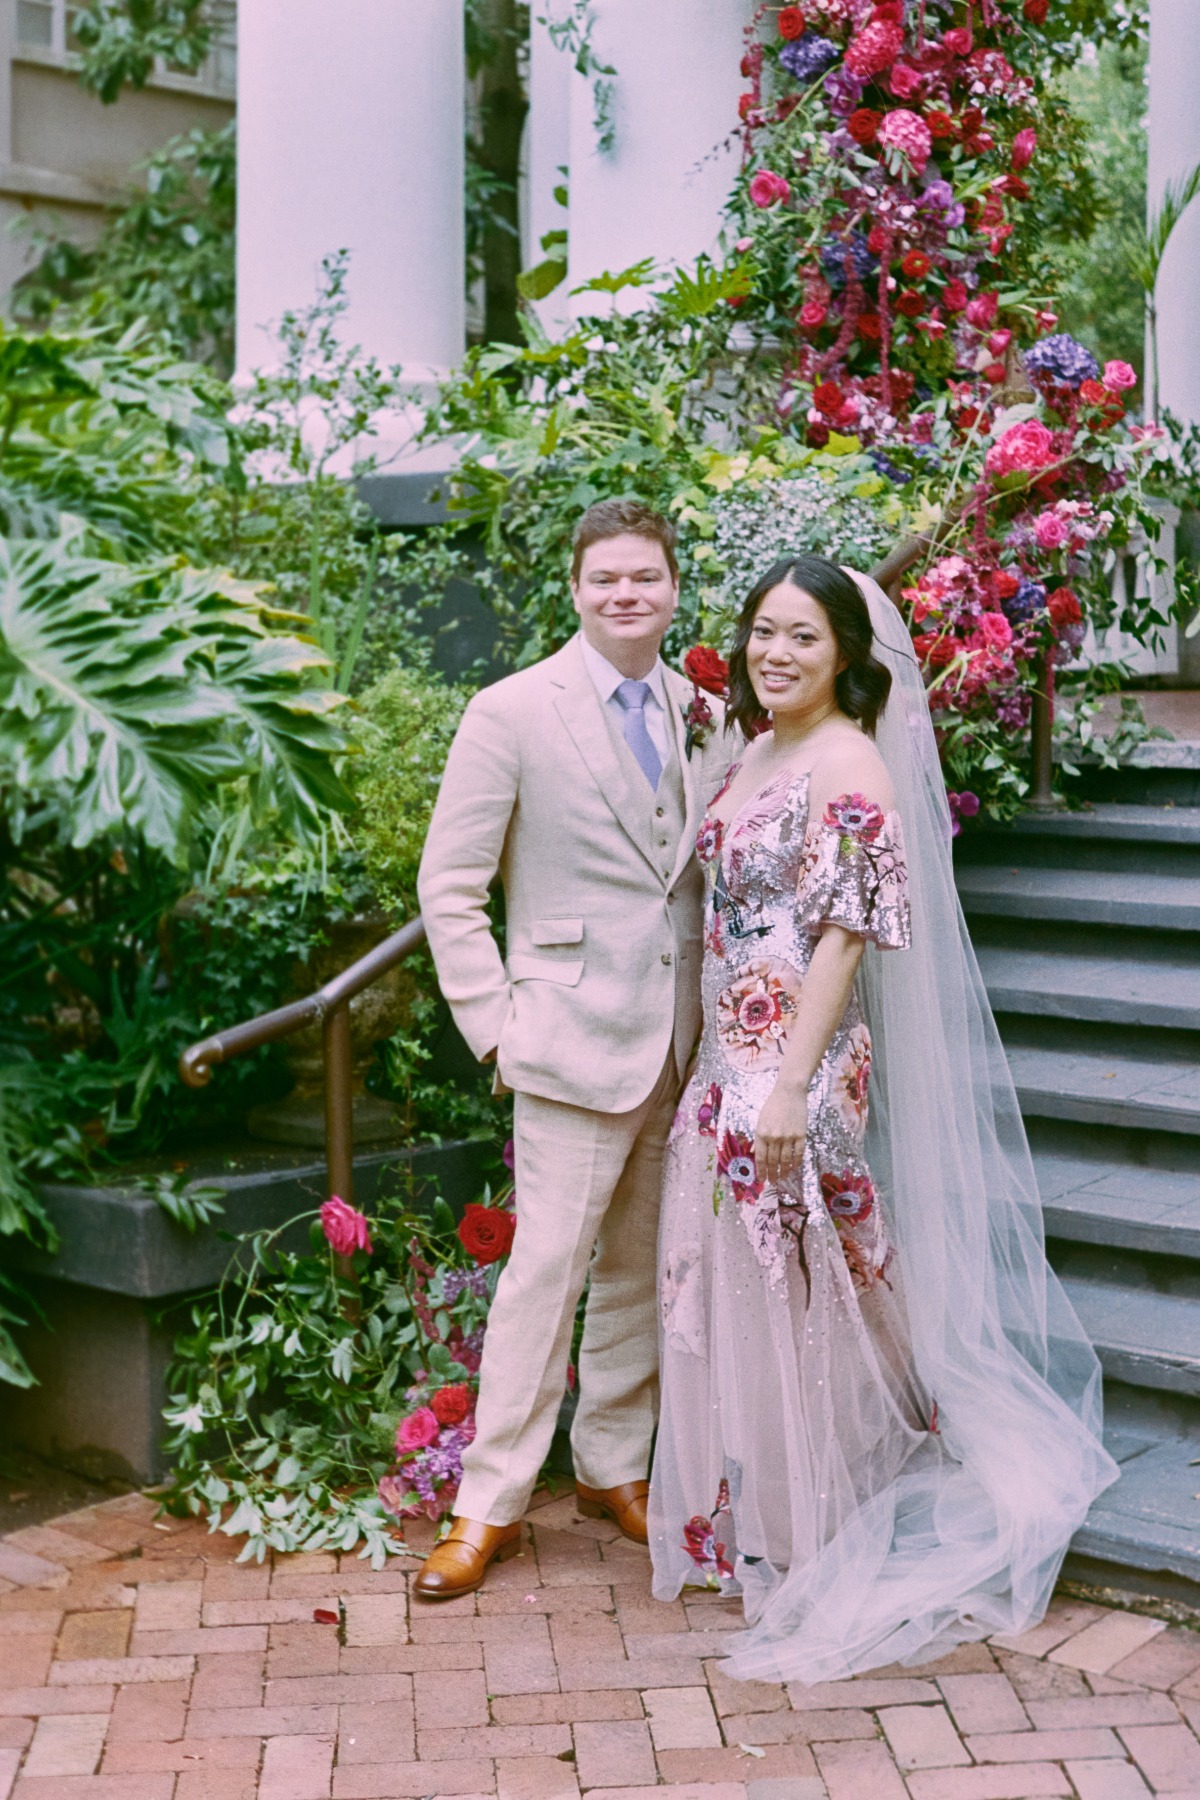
[[863, 685]]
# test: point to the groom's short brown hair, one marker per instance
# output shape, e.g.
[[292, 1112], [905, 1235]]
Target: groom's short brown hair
[[609, 518]]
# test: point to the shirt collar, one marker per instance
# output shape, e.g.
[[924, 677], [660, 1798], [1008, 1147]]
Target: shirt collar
[[606, 679]]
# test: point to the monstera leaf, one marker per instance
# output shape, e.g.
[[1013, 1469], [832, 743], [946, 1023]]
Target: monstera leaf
[[127, 694]]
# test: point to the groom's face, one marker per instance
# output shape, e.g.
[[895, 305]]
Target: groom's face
[[625, 595]]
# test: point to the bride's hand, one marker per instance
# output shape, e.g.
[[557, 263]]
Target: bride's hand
[[780, 1134]]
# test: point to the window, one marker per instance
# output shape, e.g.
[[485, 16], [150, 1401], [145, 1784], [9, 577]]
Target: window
[[49, 25]]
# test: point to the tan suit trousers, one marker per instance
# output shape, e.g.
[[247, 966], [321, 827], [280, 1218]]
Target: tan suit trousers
[[587, 1197]]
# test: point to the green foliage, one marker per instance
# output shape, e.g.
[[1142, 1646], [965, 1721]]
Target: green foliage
[[1098, 295], [285, 1395], [408, 721], [190, 1204], [121, 40], [128, 694], [165, 256]]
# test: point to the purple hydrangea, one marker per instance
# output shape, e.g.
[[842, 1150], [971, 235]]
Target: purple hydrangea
[[809, 56], [1061, 359], [843, 91], [833, 258], [1029, 598]]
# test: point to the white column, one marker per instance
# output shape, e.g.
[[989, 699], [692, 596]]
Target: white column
[[1174, 150], [350, 136], [660, 191]]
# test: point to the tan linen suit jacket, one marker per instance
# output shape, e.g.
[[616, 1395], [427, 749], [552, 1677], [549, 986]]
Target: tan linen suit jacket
[[604, 917]]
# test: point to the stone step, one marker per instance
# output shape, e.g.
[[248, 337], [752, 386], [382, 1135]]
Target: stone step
[[1116, 822], [1146, 901], [1096, 1086], [1126, 1206], [1117, 989], [1150, 1518], [1143, 1335]]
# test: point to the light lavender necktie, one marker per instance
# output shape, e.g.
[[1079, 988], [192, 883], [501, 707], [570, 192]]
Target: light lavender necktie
[[633, 696]]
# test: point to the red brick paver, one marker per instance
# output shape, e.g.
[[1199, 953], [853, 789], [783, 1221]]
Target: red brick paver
[[140, 1661]]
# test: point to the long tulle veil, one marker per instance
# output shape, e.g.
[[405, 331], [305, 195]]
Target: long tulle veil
[[970, 1538]]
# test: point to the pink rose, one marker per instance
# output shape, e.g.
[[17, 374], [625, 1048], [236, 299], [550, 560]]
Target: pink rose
[[766, 188], [1118, 375], [813, 315], [1024, 148], [958, 42], [955, 295], [907, 132], [344, 1228], [743, 244], [904, 81], [1024, 449], [999, 341], [982, 310], [1050, 531], [995, 631], [419, 1430]]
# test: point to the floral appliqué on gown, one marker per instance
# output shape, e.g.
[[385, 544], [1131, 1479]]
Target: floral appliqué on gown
[[786, 1387]]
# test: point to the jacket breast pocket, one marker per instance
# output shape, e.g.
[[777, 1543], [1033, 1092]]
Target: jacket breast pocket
[[543, 968], [556, 931]]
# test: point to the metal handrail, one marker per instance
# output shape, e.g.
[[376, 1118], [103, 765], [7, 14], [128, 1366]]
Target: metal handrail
[[330, 1005]]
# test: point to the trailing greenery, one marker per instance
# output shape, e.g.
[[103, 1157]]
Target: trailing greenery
[[286, 1394]]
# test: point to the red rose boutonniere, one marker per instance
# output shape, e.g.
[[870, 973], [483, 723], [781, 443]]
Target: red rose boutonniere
[[708, 673]]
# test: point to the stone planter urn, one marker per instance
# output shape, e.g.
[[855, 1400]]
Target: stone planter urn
[[375, 1014]]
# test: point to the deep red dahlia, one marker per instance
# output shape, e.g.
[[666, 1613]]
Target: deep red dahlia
[[916, 265], [940, 124]]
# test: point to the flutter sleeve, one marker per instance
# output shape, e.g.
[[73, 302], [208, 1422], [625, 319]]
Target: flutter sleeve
[[854, 874]]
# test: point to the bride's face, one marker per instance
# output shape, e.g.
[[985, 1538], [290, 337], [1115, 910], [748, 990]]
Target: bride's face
[[793, 658]]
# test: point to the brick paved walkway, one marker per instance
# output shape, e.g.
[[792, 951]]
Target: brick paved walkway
[[137, 1662]]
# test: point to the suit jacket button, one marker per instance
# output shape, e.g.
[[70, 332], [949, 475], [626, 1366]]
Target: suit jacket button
[[666, 956], [660, 812]]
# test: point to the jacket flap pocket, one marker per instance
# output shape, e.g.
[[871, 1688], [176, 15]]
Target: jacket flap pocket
[[543, 968], [557, 931]]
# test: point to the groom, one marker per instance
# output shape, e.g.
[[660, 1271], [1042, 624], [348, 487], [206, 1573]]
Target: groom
[[573, 780]]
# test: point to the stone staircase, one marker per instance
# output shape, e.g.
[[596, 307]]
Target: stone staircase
[[1087, 928]]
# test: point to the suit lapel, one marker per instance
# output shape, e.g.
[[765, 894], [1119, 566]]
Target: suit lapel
[[618, 778], [679, 694]]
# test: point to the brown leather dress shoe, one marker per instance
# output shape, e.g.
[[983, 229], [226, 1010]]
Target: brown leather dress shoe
[[625, 1505], [460, 1562]]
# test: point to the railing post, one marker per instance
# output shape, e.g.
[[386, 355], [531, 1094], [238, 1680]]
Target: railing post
[[339, 1114], [1041, 795]]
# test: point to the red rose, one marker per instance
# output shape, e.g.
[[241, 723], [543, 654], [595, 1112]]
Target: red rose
[[451, 1405], [486, 1232], [995, 373], [940, 124], [877, 240], [969, 418], [746, 105], [1005, 583], [791, 23], [972, 121], [863, 125], [706, 668], [911, 304], [1014, 186], [1036, 10], [958, 42], [870, 326], [1064, 609], [916, 265], [1093, 393], [955, 296], [828, 398]]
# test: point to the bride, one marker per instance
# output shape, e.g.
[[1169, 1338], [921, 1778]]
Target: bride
[[880, 1417]]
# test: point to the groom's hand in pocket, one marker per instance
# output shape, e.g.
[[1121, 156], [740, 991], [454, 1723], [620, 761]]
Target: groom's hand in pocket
[[781, 1132]]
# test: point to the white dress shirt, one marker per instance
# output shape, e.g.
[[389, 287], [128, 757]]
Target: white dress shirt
[[607, 680]]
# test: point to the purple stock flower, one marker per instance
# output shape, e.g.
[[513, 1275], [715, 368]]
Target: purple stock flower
[[809, 56], [1061, 359], [1013, 707], [843, 91], [456, 1282]]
